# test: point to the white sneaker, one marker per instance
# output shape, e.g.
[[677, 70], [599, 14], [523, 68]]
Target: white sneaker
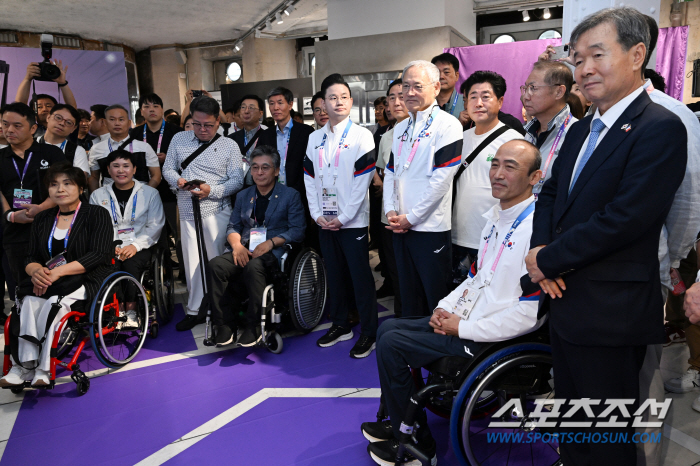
[[132, 320], [41, 379], [16, 376], [696, 404], [685, 383]]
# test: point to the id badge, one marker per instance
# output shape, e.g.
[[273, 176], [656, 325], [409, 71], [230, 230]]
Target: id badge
[[329, 202], [465, 304], [21, 198], [257, 236], [396, 195], [126, 235], [282, 178], [56, 261]]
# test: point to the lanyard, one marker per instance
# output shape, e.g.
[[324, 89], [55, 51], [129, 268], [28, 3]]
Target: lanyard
[[245, 140], [131, 146], [160, 137], [114, 211], [554, 148], [454, 102], [53, 230], [286, 149], [63, 144], [26, 165], [416, 143], [528, 210], [337, 153]]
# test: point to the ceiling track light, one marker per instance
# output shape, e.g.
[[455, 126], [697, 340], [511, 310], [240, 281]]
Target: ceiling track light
[[547, 14], [278, 18], [238, 46], [526, 15], [268, 23], [289, 10]]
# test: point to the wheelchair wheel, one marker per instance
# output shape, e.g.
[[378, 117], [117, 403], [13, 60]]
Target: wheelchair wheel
[[117, 335], [164, 286], [66, 341], [503, 389], [441, 404], [275, 343], [307, 290]]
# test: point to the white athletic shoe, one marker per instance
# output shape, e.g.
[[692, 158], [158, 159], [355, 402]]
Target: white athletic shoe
[[16, 376], [132, 320], [41, 379], [685, 383], [696, 404]]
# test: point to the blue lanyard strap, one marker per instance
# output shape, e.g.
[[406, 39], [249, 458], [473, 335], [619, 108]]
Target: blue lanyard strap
[[523, 215], [454, 102], [24, 172], [63, 144], [109, 143], [114, 210], [53, 230]]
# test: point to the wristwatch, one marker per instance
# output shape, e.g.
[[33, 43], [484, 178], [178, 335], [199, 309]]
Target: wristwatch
[[63, 85]]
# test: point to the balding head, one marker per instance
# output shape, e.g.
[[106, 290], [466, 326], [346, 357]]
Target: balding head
[[515, 169]]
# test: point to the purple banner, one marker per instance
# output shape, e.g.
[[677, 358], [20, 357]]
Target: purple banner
[[94, 77], [513, 61], [671, 52]]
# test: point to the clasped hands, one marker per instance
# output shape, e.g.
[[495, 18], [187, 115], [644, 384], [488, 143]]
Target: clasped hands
[[445, 323], [332, 225], [397, 223], [42, 278], [554, 287]]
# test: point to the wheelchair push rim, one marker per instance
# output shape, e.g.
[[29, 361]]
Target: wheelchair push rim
[[307, 291], [523, 377], [115, 345], [164, 287]]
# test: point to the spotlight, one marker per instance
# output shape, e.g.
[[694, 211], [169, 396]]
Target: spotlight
[[547, 14], [268, 23], [278, 17], [526, 15], [238, 46], [289, 10]]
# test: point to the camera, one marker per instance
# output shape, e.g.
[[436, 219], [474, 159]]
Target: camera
[[196, 94], [48, 71]]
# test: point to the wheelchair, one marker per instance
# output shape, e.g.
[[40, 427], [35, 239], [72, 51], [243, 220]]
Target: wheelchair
[[159, 285], [473, 393], [301, 288], [102, 324]]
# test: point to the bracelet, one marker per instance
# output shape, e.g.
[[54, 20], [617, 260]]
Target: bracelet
[[63, 85], [11, 217], [273, 243]]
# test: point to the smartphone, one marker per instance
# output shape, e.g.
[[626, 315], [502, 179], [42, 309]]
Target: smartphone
[[561, 51], [193, 184], [196, 94]]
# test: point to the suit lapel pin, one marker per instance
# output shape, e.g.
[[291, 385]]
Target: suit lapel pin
[[626, 127]]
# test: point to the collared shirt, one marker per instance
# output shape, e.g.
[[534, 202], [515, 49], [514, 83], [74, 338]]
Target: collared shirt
[[219, 166], [459, 103], [356, 164], [98, 139], [608, 119], [152, 139], [102, 150], [424, 190], [80, 159], [282, 145], [503, 310], [544, 140]]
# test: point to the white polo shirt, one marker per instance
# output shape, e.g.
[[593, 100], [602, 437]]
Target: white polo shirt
[[80, 160], [102, 150], [352, 177]]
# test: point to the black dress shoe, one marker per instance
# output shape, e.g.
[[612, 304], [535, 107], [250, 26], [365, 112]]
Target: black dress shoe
[[224, 335], [188, 323]]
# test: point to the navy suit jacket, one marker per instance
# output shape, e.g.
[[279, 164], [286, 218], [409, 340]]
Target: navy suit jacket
[[284, 216], [603, 238]]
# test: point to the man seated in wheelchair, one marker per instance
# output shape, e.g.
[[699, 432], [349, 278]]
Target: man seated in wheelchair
[[264, 218], [68, 259], [491, 305], [137, 220]]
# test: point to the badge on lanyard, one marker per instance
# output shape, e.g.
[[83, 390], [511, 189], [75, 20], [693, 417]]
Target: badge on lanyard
[[465, 304], [127, 236], [257, 237], [56, 261], [60, 259], [329, 202], [21, 198]]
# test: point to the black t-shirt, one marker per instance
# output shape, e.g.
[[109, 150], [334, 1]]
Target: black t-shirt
[[122, 196], [261, 203], [43, 156], [152, 139]]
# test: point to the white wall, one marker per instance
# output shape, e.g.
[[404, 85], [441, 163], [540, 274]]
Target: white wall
[[576, 10]]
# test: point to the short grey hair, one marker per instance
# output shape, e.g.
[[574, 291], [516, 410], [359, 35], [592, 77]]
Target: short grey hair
[[268, 151], [632, 27], [431, 70]]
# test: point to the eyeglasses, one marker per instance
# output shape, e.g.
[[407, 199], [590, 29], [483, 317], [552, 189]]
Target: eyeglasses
[[318, 110], [334, 98], [59, 119], [264, 168], [416, 87], [531, 89], [200, 126], [245, 108]]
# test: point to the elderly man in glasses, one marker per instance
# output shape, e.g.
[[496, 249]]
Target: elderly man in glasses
[[202, 164]]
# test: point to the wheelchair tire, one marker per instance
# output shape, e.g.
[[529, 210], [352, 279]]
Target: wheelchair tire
[[275, 343], [164, 286], [307, 290], [153, 331], [17, 390], [114, 345], [519, 372], [66, 342]]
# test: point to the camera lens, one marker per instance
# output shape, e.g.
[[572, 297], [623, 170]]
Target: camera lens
[[48, 71]]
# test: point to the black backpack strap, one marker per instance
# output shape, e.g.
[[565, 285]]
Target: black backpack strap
[[71, 147], [55, 307], [470, 158], [128, 141], [185, 163], [251, 142]]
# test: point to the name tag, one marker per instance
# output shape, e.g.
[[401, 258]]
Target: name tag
[[21, 198], [257, 237], [329, 202], [56, 261], [466, 303], [127, 236]]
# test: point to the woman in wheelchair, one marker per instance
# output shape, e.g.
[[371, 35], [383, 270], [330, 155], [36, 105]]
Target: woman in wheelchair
[[137, 218], [69, 250], [265, 217]]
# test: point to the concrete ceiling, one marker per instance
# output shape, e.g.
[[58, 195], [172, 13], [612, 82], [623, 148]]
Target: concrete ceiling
[[141, 24]]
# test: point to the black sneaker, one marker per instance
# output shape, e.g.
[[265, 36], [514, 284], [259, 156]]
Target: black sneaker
[[377, 431], [384, 453], [224, 335], [188, 323], [335, 334], [363, 347], [250, 337]]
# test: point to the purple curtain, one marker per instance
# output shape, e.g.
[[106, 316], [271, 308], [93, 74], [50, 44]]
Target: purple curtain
[[513, 61], [671, 51]]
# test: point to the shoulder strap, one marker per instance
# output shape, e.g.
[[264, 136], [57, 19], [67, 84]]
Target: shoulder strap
[[71, 147], [185, 163], [251, 142], [128, 141]]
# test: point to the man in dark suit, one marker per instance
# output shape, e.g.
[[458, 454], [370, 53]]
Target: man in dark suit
[[596, 230], [290, 139]]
